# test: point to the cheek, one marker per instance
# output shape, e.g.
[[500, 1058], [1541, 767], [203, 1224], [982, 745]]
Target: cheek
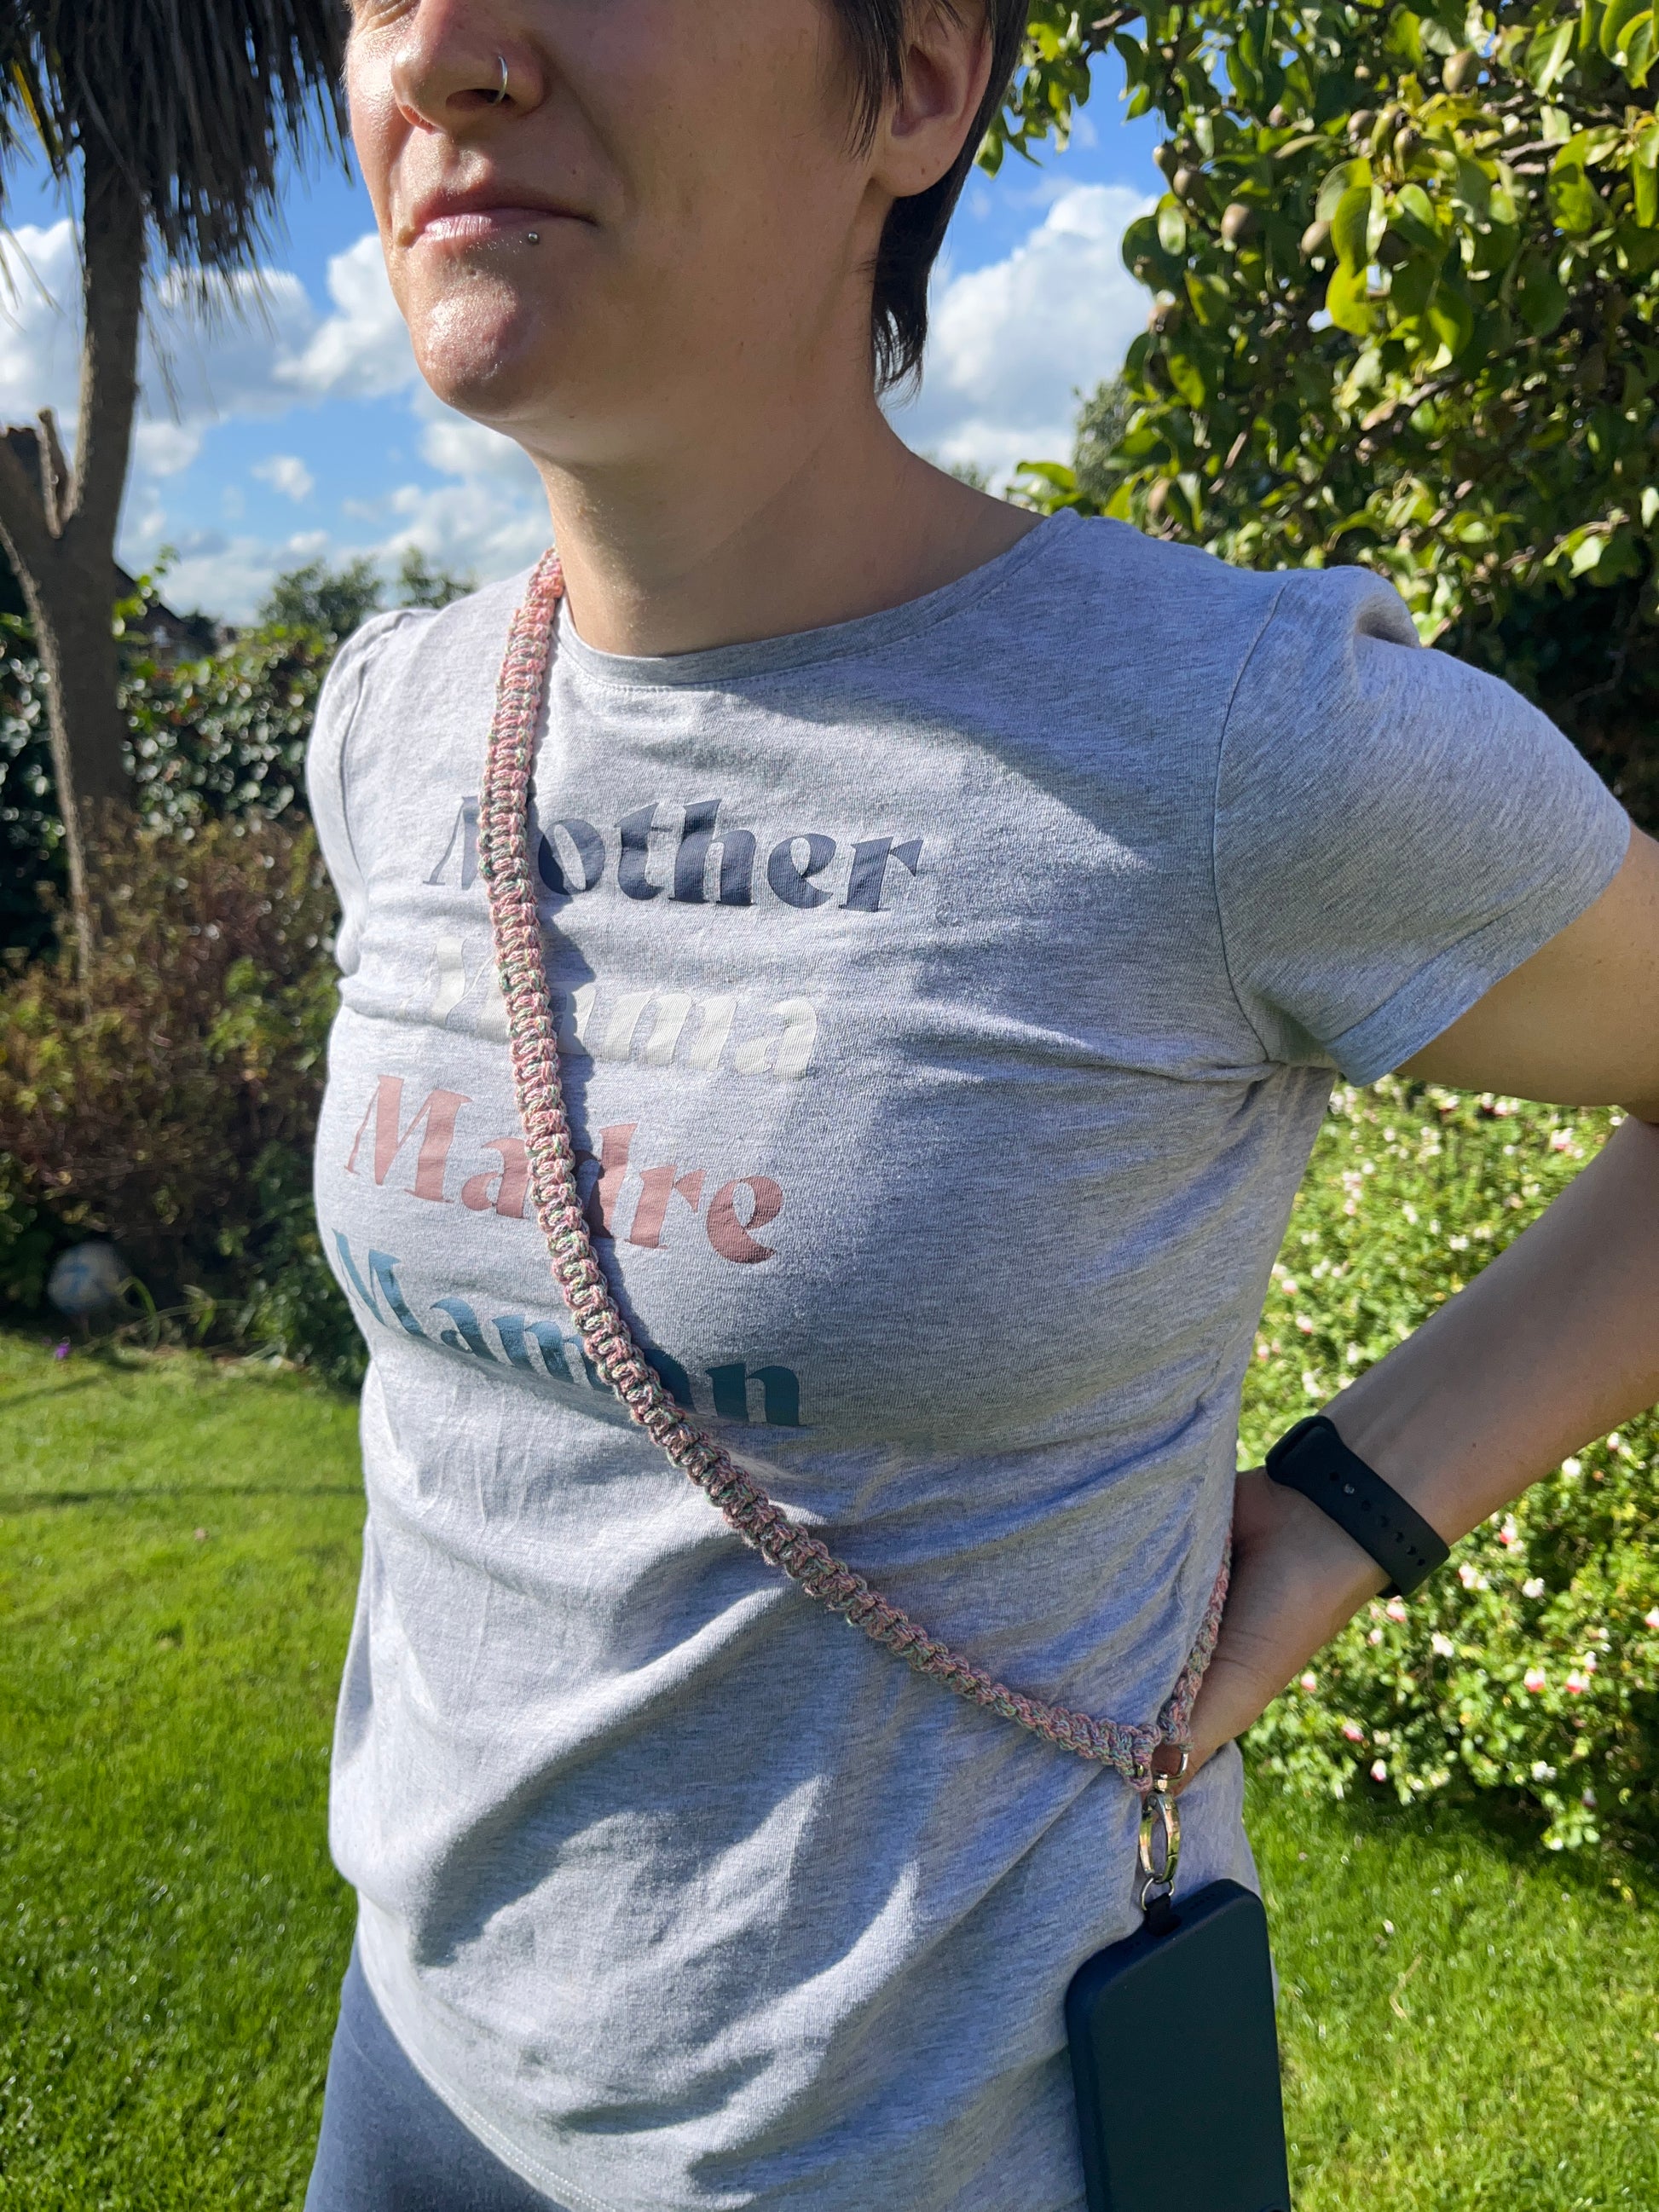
[[376, 130]]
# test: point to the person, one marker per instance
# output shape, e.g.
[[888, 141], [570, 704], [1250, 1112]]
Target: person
[[955, 921]]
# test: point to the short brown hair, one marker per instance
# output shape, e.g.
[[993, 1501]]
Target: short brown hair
[[875, 32]]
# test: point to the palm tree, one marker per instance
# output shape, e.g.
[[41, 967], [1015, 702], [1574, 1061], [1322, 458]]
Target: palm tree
[[172, 116]]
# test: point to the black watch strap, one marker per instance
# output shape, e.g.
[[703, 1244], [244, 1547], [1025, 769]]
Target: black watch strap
[[1312, 1458]]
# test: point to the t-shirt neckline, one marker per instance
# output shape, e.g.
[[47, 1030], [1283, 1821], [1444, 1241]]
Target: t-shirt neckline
[[865, 634]]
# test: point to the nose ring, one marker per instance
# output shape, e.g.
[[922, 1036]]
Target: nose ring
[[498, 96]]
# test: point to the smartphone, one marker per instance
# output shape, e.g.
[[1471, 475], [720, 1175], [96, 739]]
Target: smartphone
[[1174, 2052]]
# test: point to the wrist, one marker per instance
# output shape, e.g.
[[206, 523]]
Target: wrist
[[1335, 1575]]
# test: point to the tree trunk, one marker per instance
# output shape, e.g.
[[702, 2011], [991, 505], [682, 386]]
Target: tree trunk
[[59, 527]]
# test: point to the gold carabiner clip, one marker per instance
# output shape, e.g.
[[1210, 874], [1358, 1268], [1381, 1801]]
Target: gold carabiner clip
[[1159, 1810]]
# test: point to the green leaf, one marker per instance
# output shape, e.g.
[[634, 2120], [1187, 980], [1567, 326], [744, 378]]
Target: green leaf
[[1171, 225], [1451, 318], [1412, 217], [1541, 297], [1139, 241], [1645, 190], [1619, 14], [1212, 298], [1347, 177], [1640, 44], [1548, 56], [1472, 189], [1188, 378], [1411, 284], [1346, 301], [1350, 225], [1576, 205]]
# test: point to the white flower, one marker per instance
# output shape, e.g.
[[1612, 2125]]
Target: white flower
[[1376, 1636], [1379, 1770], [1572, 1469], [1542, 1771], [1470, 1575], [1443, 1645], [1310, 1681], [1535, 1679], [1534, 1587], [1577, 1684]]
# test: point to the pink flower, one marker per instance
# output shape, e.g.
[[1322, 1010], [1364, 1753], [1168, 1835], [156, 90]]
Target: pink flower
[[1535, 1679], [1395, 1608], [1651, 1617], [1577, 1684], [1354, 1733], [1379, 1770], [1310, 1680], [61, 1351]]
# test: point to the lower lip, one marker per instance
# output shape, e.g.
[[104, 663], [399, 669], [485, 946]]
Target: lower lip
[[487, 226]]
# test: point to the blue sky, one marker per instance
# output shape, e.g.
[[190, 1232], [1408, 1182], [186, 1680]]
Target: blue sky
[[292, 425]]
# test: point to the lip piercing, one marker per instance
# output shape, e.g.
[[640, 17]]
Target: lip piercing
[[533, 237], [497, 97]]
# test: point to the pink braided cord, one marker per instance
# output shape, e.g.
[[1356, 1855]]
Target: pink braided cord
[[505, 863]]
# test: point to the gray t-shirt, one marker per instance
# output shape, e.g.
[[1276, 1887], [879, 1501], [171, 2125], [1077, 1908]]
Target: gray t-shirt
[[949, 1001]]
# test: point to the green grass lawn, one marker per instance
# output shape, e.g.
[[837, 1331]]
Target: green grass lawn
[[1468, 2021]]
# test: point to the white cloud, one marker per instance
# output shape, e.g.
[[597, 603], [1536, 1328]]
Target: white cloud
[[230, 575], [361, 350], [40, 330], [1014, 343], [287, 474], [248, 345], [218, 345]]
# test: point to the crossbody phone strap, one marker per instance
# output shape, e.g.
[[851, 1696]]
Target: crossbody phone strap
[[1146, 1755]]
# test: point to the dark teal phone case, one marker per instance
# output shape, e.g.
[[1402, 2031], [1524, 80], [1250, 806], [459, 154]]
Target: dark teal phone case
[[1174, 2052]]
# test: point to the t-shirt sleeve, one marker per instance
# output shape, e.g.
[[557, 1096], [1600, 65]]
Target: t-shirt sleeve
[[327, 757], [1395, 832]]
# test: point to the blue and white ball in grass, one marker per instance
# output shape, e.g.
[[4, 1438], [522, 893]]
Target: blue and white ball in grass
[[87, 1279]]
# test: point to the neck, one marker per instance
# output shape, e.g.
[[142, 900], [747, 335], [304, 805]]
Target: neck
[[753, 529]]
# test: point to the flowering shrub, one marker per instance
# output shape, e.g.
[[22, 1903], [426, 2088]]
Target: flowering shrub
[[170, 1103], [1531, 1664]]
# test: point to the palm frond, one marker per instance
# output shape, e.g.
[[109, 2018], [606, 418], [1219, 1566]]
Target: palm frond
[[194, 101]]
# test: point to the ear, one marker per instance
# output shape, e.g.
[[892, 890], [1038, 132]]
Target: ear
[[947, 66]]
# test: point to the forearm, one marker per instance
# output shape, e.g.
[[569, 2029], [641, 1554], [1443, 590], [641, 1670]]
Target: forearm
[[1555, 1343]]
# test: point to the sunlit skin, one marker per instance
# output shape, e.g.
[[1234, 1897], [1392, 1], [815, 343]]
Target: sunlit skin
[[683, 349]]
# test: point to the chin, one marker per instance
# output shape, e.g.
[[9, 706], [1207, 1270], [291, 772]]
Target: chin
[[487, 351]]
